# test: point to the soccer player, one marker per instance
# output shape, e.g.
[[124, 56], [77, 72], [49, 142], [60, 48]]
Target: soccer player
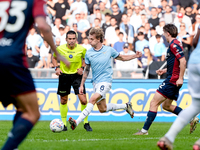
[[186, 115], [169, 89], [71, 76], [99, 59], [17, 85]]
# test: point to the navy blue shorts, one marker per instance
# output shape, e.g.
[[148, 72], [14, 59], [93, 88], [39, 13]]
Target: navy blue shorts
[[169, 90], [15, 80]]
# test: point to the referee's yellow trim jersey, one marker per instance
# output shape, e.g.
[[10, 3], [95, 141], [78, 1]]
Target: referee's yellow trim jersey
[[74, 56]]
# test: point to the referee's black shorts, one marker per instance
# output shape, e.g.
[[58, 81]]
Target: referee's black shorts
[[68, 80]]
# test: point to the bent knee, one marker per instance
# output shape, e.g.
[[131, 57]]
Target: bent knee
[[38, 116], [63, 100], [83, 102], [102, 110], [166, 107]]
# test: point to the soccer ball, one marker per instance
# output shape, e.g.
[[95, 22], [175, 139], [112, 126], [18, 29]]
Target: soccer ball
[[56, 125]]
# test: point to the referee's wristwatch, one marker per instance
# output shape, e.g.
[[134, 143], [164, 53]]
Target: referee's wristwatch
[[57, 67], [83, 67]]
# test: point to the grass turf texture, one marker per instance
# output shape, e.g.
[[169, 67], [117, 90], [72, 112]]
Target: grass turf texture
[[105, 136]]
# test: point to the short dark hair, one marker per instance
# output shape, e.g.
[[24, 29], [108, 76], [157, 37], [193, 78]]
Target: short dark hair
[[124, 14], [141, 27], [152, 28], [71, 32], [97, 19], [107, 14], [61, 28], [158, 36], [140, 33], [113, 18], [121, 33], [116, 28], [171, 29]]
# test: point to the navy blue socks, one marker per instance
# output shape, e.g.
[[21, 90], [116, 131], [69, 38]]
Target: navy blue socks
[[20, 130], [149, 120], [17, 115], [177, 110]]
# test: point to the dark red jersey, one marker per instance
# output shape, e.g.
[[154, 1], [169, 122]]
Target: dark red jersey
[[174, 53], [16, 18]]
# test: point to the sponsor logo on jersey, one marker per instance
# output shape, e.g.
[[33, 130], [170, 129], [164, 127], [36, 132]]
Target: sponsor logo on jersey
[[5, 42]]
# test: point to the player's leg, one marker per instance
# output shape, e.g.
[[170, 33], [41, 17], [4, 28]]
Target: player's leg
[[103, 88], [82, 97], [64, 110], [29, 105], [74, 123], [101, 104], [167, 105], [103, 107], [186, 115], [83, 101], [151, 115], [18, 113], [64, 88], [183, 119]]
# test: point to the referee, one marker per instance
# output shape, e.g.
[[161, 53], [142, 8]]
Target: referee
[[71, 76]]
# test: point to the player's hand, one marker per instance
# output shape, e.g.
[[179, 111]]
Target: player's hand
[[63, 59], [160, 72], [179, 82], [58, 71], [80, 71], [138, 54], [81, 90]]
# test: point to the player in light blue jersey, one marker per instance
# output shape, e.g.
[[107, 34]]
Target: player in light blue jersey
[[99, 59], [187, 114]]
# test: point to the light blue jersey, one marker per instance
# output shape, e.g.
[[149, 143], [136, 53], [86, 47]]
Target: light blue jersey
[[194, 57], [100, 62]]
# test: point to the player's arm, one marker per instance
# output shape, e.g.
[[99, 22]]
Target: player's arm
[[196, 38], [85, 75], [179, 82], [129, 57], [161, 71], [46, 31], [80, 70], [57, 68]]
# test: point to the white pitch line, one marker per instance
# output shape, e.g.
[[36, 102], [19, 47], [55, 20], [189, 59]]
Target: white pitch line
[[83, 140]]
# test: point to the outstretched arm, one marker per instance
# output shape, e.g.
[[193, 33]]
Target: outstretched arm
[[46, 31], [129, 57]]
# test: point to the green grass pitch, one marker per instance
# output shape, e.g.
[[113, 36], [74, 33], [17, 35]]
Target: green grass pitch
[[105, 136]]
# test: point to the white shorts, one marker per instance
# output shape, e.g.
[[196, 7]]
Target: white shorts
[[102, 88], [194, 80]]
